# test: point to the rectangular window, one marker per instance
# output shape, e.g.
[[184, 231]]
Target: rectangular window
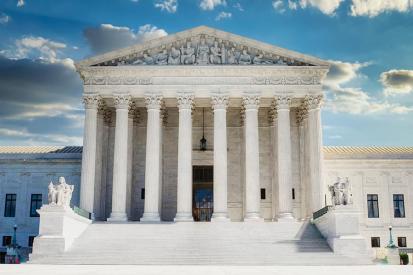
[[375, 241], [373, 205], [263, 193], [30, 243], [142, 193], [6, 240], [398, 204], [293, 193], [401, 242], [10, 207], [35, 203]]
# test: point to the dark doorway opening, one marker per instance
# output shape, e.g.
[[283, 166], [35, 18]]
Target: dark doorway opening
[[203, 193]]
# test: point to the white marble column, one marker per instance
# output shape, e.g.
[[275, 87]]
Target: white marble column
[[220, 104], [184, 192], [87, 186], [252, 159], [285, 177], [120, 165], [302, 116], [152, 163], [315, 145]]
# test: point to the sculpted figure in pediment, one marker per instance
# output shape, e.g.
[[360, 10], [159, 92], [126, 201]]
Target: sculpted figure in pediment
[[174, 56], [215, 57], [162, 57], [187, 54], [202, 52], [244, 58], [146, 60], [231, 56], [259, 59]]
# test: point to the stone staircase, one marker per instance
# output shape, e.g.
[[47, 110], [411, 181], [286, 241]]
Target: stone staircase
[[233, 243]]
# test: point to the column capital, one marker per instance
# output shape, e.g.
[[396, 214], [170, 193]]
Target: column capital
[[185, 101], [219, 102], [153, 102], [91, 101], [313, 101], [122, 101], [283, 102], [251, 102]]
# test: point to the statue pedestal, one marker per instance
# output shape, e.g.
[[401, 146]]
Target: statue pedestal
[[59, 227], [340, 226], [393, 256]]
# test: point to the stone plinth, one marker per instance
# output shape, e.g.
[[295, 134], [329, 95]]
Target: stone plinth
[[393, 256], [59, 227], [340, 226]]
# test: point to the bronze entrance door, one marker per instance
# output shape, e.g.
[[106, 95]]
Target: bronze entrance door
[[203, 195]]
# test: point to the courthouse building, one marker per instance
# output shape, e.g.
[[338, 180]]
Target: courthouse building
[[205, 125]]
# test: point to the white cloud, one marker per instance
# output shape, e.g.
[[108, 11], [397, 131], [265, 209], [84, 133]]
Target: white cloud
[[107, 37], [328, 7], [40, 48], [341, 97], [372, 8], [135, 1], [20, 3], [238, 6], [211, 4], [397, 82], [168, 5], [278, 5], [292, 5], [223, 15], [4, 19]]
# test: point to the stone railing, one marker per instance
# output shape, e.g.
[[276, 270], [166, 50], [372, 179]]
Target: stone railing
[[83, 213]]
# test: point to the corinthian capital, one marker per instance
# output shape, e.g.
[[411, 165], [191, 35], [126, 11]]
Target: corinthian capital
[[283, 102], [91, 101], [251, 102], [313, 101], [153, 102], [185, 101], [122, 101], [219, 102]]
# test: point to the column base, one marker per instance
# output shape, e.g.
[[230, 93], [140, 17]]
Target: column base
[[253, 217], [220, 217], [183, 217], [117, 217], [150, 217], [285, 217]]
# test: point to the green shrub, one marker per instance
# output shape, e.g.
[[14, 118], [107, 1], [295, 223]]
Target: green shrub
[[404, 258]]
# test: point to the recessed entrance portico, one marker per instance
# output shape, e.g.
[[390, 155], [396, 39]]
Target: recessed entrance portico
[[203, 195], [258, 97]]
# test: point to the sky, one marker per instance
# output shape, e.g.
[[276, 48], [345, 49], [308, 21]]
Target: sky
[[369, 90]]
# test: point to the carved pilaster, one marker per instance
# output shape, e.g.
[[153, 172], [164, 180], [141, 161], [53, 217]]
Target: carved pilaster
[[164, 115], [242, 115], [219, 102], [272, 113], [302, 114], [91, 101], [313, 101], [122, 101], [108, 117], [185, 101]]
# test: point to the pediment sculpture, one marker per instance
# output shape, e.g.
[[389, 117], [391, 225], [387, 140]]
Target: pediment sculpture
[[61, 193], [341, 192], [202, 50]]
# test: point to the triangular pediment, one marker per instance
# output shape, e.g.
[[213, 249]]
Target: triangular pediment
[[202, 46]]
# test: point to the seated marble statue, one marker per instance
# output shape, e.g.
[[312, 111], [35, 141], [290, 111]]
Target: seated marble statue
[[162, 58], [61, 193], [187, 54], [244, 58], [202, 53], [174, 57], [215, 56], [341, 192]]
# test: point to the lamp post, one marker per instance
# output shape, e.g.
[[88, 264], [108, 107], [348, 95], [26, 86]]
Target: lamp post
[[391, 244], [14, 241]]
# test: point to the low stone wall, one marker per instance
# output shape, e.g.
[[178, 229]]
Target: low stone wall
[[340, 227]]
